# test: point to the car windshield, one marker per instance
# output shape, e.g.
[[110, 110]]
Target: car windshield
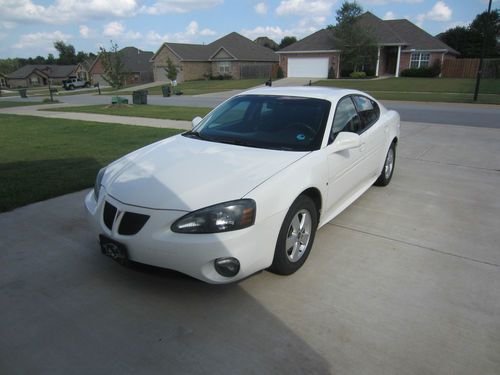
[[267, 121]]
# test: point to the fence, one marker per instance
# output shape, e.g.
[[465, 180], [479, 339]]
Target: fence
[[467, 68], [256, 70], [460, 68]]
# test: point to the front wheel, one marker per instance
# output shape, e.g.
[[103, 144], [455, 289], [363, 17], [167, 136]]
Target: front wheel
[[386, 174], [296, 237]]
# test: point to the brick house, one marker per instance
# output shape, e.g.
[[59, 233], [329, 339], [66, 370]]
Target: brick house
[[3, 80], [40, 75], [136, 64], [232, 55], [401, 45]]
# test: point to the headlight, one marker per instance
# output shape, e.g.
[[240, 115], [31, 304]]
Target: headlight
[[98, 180], [222, 217]]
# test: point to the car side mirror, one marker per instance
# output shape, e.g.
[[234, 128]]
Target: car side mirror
[[346, 141], [196, 121]]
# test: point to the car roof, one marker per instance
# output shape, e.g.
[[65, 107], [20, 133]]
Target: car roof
[[328, 93]]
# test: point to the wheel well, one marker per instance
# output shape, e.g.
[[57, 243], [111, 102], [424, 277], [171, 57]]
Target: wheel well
[[315, 195], [395, 140]]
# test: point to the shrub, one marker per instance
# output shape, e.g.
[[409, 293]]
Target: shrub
[[357, 75], [432, 71], [280, 73], [331, 73]]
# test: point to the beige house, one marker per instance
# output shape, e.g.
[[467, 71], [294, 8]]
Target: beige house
[[401, 45], [41, 75], [230, 56]]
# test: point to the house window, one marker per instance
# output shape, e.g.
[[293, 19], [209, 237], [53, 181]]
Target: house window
[[225, 67], [419, 60], [35, 81]]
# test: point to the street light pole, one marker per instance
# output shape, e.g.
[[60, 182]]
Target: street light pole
[[480, 68]]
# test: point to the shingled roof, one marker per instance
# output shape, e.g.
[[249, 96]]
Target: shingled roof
[[416, 38], [51, 71], [136, 60], [388, 33], [235, 44], [322, 40]]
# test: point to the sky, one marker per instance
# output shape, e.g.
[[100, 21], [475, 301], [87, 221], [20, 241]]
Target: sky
[[29, 27]]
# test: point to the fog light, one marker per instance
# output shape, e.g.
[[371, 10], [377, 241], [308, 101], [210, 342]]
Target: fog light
[[227, 267]]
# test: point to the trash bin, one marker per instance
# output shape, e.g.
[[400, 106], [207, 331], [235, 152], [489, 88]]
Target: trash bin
[[166, 91], [140, 97], [22, 93]]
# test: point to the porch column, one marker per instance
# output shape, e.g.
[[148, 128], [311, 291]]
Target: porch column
[[378, 61], [338, 66], [397, 62]]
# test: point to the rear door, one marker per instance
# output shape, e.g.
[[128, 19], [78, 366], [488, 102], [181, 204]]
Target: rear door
[[373, 135]]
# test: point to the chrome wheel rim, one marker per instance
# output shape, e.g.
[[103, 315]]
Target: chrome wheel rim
[[389, 163], [298, 236]]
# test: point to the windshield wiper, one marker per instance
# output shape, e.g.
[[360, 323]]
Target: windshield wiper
[[193, 134]]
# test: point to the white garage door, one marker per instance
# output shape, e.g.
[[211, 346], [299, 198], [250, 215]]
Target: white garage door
[[314, 67]]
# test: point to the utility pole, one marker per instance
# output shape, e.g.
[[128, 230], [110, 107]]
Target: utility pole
[[480, 69]]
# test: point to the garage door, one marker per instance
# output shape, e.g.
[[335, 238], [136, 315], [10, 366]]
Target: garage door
[[314, 67]]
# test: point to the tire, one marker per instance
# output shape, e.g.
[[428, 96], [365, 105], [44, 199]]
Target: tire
[[292, 248], [71, 87], [87, 85], [388, 169]]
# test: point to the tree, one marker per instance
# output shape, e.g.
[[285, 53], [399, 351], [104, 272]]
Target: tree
[[50, 59], [67, 54], [113, 66], [9, 65], [468, 39], [286, 41], [358, 48], [171, 70]]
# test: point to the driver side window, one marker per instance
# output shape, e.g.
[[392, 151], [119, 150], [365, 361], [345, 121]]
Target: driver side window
[[346, 119]]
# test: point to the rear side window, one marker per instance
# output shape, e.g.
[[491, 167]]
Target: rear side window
[[368, 110]]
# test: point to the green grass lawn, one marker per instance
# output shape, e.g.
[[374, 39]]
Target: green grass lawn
[[150, 111], [207, 86], [41, 158], [7, 104], [424, 89]]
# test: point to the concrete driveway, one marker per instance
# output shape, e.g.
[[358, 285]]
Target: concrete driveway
[[405, 281]]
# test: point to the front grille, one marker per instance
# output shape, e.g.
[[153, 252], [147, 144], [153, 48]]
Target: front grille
[[132, 223], [109, 215]]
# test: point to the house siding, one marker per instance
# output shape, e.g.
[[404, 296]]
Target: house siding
[[160, 63]]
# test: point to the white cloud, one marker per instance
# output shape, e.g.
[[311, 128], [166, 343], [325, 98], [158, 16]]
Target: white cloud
[[113, 29], [383, 2], [304, 27], [65, 11], [84, 31], [390, 15], [189, 35], [440, 12], [44, 40], [260, 8], [301, 7], [179, 6]]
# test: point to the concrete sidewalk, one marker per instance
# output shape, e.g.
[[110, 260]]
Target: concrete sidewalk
[[127, 120]]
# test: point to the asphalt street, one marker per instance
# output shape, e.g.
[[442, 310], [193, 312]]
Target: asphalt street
[[405, 281], [485, 116]]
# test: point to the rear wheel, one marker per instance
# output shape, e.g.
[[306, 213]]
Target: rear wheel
[[296, 236], [390, 161]]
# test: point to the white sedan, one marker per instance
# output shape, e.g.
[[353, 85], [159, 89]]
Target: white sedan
[[247, 188]]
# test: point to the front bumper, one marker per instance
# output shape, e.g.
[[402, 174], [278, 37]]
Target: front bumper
[[192, 254]]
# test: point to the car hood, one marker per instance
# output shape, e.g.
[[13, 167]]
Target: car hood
[[181, 173]]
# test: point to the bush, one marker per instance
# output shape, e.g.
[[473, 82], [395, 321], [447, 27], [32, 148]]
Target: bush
[[280, 73], [432, 71], [331, 73], [357, 75], [221, 77]]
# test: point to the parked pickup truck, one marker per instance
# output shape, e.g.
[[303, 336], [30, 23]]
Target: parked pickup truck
[[73, 83]]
